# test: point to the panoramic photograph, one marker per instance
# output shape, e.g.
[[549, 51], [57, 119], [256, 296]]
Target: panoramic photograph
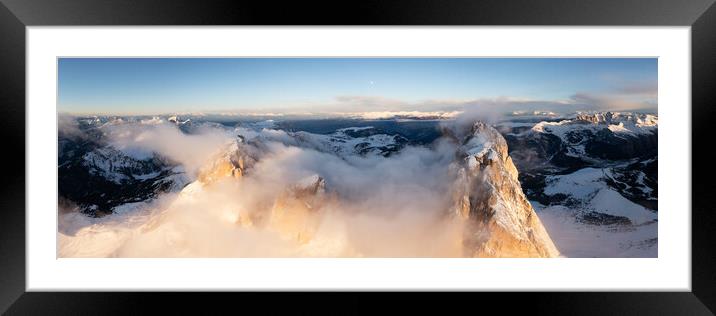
[[396, 157]]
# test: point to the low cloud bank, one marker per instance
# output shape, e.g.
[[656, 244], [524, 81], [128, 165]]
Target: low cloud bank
[[141, 140], [68, 127], [372, 206]]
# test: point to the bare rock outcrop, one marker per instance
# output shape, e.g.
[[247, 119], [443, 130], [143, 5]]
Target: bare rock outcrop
[[232, 161]]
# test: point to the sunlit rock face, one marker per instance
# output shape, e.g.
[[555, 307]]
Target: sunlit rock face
[[498, 219], [231, 161], [297, 212]]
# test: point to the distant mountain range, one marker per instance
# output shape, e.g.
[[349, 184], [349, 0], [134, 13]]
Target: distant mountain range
[[593, 178]]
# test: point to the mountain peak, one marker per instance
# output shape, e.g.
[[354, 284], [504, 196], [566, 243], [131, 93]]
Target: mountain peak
[[488, 198]]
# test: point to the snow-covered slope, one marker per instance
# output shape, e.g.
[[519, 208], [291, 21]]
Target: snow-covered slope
[[593, 180], [104, 177], [587, 190], [97, 175], [594, 220], [117, 166], [345, 142]]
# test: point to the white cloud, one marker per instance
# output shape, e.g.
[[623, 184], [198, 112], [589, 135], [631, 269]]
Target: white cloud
[[190, 150], [375, 206]]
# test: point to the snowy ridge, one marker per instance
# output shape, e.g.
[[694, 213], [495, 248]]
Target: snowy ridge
[[620, 123], [587, 137], [116, 166]]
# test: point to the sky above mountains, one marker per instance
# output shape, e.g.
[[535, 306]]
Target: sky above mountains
[[339, 85]]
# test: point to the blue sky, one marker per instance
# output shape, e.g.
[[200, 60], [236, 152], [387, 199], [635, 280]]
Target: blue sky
[[167, 85]]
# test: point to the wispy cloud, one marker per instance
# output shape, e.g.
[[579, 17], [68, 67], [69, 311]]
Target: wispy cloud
[[610, 102], [631, 95], [642, 88]]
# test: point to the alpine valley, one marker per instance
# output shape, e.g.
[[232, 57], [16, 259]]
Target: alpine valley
[[526, 185]]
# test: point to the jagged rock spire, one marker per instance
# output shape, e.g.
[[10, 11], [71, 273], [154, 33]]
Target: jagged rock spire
[[499, 221]]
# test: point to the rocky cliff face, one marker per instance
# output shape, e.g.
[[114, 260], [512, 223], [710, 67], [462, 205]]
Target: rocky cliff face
[[498, 219]]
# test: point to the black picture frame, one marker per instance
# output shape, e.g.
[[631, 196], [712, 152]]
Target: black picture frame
[[15, 15]]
